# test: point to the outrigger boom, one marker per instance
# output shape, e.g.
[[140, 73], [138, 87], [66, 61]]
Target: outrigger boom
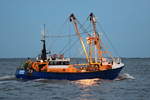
[[91, 40], [73, 19]]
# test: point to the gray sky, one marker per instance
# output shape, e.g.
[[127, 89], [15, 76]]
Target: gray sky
[[126, 22]]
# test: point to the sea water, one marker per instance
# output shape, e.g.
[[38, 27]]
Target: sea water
[[133, 83]]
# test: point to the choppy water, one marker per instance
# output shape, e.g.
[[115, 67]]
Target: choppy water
[[132, 84]]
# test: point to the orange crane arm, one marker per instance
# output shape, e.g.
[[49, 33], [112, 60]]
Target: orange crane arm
[[73, 19]]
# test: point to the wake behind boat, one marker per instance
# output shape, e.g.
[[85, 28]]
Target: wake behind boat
[[58, 67]]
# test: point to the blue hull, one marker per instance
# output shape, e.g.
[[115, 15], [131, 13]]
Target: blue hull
[[107, 74]]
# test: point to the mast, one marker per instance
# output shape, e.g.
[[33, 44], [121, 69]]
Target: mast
[[73, 19], [43, 52], [97, 41]]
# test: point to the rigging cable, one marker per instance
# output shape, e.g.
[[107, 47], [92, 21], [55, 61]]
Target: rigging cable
[[115, 50], [51, 45], [66, 49], [85, 32]]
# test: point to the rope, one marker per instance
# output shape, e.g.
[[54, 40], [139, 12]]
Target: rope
[[63, 36], [52, 44], [71, 35], [113, 47], [68, 47]]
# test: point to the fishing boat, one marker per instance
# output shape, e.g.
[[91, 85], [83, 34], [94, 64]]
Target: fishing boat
[[58, 67]]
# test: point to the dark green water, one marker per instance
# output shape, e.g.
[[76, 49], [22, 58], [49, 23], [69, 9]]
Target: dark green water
[[132, 84]]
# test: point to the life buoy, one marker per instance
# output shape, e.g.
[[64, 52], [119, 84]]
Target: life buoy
[[35, 67]]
